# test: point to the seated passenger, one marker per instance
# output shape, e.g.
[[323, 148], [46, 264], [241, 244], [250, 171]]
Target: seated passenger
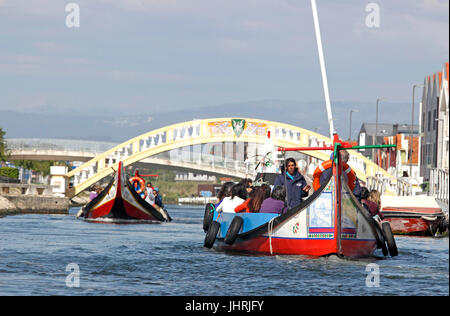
[[229, 203], [158, 198], [248, 183], [225, 191], [253, 204], [370, 200], [275, 203]]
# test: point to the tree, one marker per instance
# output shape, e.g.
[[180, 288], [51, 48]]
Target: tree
[[3, 149], [41, 166]]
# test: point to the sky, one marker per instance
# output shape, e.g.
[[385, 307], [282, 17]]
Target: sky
[[151, 56]]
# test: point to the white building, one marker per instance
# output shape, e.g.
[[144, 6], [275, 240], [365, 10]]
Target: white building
[[189, 176], [434, 123]]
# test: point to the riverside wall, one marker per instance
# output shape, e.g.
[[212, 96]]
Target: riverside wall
[[30, 198]]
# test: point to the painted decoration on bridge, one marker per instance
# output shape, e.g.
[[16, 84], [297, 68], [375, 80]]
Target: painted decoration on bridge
[[237, 127]]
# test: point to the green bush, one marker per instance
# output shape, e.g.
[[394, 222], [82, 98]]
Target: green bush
[[8, 172]]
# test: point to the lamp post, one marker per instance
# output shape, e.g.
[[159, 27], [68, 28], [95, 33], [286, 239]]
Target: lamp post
[[411, 130], [376, 129], [350, 125]]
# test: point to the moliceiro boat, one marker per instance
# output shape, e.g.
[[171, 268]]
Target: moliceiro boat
[[120, 203], [418, 215], [330, 221]]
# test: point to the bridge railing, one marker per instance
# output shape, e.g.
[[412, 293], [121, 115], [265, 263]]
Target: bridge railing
[[385, 185], [58, 144], [197, 132], [439, 184]]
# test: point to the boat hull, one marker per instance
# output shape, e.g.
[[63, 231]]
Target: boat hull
[[315, 228], [294, 246], [413, 215], [119, 203]]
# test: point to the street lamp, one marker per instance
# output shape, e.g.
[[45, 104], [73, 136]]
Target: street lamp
[[376, 129], [350, 125], [411, 130]]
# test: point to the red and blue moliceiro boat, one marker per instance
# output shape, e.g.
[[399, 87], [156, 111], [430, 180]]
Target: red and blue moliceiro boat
[[120, 203], [330, 221]]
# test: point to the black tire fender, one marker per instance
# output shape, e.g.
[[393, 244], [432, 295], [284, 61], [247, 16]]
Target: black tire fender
[[211, 234], [381, 241], [208, 216], [390, 240], [233, 230]]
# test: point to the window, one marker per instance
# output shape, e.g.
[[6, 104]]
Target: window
[[423, 122], [434, 121], [429, 121]]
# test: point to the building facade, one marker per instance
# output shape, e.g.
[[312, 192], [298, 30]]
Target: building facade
[[400, 160], [434, 123], [367, 137]]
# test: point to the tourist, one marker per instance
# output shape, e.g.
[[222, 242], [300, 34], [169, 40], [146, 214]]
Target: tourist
[[225, 191], [262, 193], [253, 203], [150, 198], [369, 201], [248, 183], [93, 193], [375, 197], [295, 183], [276, 202], [238, 196], [99, 190], [148, 189], [158, 198]]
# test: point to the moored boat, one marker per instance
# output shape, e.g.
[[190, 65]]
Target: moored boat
[[120, 203], [330, 221], [414, 215]]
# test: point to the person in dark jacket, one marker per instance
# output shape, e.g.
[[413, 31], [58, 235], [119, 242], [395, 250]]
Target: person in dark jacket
[[276, 202], [296, 186], [158, 198]]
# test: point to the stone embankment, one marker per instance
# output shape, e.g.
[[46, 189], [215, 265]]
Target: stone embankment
[[30, 198]]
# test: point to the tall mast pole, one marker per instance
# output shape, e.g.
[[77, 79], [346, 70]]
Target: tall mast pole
[[322, 67]]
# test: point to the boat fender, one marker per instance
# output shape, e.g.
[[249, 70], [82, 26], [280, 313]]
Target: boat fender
[[351, 175], [443, 225], [381, 241], [210, 237], [390, 241], [208, 216], [233, 230]]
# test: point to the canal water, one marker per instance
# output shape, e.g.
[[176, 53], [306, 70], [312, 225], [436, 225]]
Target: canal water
[[60, 255]]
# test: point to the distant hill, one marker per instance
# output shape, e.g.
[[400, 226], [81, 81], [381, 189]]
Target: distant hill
[[309, 115]]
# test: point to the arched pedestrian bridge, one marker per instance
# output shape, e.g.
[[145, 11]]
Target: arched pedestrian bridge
[[221, 146]]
